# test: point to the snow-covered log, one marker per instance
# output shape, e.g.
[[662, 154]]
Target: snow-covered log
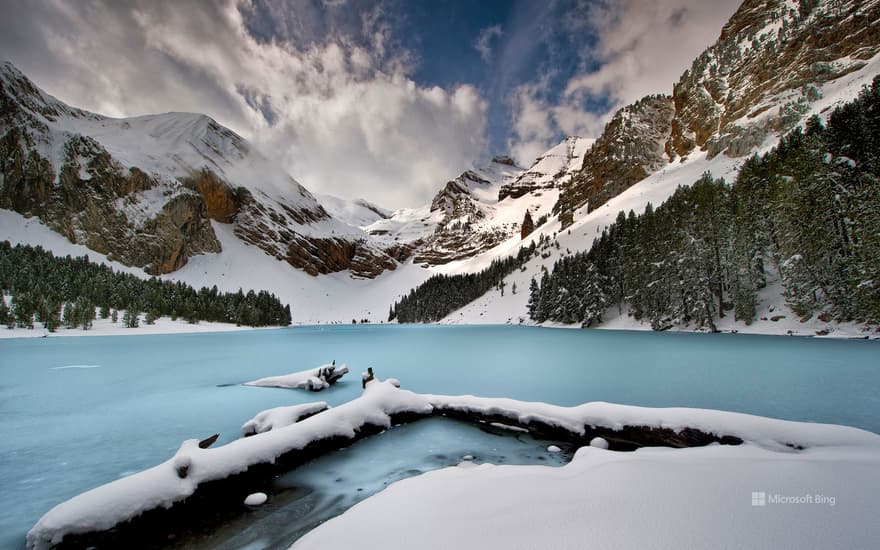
[[280, 417], [313, 379]]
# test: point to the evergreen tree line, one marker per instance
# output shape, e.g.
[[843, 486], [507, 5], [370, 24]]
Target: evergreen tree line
[[72, 292], [809, 211], [442, 294]]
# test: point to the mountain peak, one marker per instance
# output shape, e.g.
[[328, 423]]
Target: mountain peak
[[504, 159], [17, 88], [551, 169]]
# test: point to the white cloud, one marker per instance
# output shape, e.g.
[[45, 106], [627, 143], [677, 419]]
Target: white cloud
[[642, 48], [645, 46], [533, 124], [345, 119], [483, 43]]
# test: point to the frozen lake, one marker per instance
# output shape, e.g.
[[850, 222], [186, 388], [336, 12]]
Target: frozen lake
[[78, 412]]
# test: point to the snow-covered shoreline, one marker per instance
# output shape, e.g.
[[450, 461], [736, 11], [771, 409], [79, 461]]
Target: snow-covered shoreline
[[106, 327], [383, 404]]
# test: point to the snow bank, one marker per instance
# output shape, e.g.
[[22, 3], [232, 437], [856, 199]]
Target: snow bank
[[106, 327], [706, 497], [280, 417], [313, 379], [837, 457]]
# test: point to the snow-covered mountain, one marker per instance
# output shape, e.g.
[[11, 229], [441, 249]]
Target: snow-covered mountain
[[157, 191], [551, 170], [483, 207], [775, 64], [142, 190]]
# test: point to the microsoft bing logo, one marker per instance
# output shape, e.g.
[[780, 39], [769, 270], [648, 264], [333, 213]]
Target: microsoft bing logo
[[759, 498]]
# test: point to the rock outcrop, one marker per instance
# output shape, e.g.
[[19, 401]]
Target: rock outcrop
[[527, 226], [758, 77], [630, 148]]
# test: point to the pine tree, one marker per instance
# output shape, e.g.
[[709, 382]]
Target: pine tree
[[23, 310], [534, 297], [4, 311], [53, 319], [131, 318]]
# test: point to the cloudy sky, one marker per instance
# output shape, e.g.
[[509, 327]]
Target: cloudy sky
[[381, 99]]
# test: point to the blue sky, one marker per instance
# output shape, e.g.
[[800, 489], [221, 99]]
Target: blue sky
[[495, 45], [380, 99]]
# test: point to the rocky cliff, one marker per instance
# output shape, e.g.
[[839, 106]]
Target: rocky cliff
[[756, 80], [755, 83], [630, 148]]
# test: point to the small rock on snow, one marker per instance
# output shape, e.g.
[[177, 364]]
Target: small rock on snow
[[256, 499]]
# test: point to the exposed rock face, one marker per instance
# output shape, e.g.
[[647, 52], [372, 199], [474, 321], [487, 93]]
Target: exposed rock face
[[754, 82], [458, 244], [221, 200], [401, 252], [756, 79], [321, 256], [630, 148], [504, 159]]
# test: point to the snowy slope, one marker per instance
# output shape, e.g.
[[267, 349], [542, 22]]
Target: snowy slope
[[651, 498], [559, 163], [483, 207], [356, 213]]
